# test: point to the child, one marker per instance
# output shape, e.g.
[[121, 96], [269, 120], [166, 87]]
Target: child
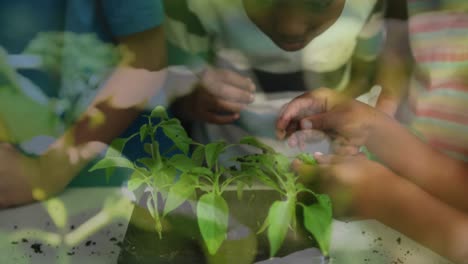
[[137, 26], [422, 191], [277, 47]]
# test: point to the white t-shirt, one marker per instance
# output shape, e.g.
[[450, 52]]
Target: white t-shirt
[[238, 44]]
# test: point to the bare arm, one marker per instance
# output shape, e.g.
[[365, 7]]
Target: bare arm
[[407, 208], [376, 192], [437, 173], [121, 99], [117, 105], [394, 66]]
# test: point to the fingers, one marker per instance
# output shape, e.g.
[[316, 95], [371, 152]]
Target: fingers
[[288, 116], [334, 159], [210, 107], [324, 159], [342, 146], [303, 137], [232, 93], [224, 106], [214, 110], [307, 127], [320, 121], [304, 106], [307, 173], [237, 80], [229, 85]]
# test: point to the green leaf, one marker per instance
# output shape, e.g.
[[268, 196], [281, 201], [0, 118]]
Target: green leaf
[[198, 155], [153, 150], [16, 107], [148, 162], [201, 171], [8, 76], [212, 215], [212, 152], [112, 162], [318, 221], [181, 162], [260, 175], [159, 112], [164, 177], [135, 181], [150, 206], [253, 141], [182, 190], [174, 130], [307, 158], [144, 132], [267, 180], [282, 164], [148, 148], [116, 147], [240, 190], [279, 218], [57, 212]]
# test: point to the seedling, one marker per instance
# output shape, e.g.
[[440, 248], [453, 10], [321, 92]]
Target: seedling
[[173, 180]]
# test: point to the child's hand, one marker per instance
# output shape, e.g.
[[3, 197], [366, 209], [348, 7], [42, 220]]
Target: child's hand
[[219, 96], [15, 188], [348, 121], [25, 179], [350, 180], [388, 105]]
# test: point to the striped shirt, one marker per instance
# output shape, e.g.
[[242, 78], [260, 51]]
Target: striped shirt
[[439, 87], [212, 30]]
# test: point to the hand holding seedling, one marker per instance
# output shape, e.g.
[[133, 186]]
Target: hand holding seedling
[[349, 180], [348, 121], [218, 97]]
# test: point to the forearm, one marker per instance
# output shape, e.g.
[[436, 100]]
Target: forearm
[[139, 77], [408, 156], [394, 66], [407, 208]]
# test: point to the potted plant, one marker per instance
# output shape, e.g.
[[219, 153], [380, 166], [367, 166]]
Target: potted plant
[[195, 174]]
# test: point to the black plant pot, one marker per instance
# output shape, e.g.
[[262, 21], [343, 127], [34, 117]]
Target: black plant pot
[[181, 241]]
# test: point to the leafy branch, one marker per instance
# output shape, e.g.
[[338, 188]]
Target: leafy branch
[[174, 180]]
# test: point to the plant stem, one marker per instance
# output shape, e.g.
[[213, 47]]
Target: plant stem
[[88, 228], [278, 177], [157, 219]]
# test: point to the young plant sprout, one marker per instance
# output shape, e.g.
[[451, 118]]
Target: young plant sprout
[[182, 176], [273, 169]]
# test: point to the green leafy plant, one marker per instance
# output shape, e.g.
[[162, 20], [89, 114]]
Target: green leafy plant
[[154, 170], [15, 105], [273, 169], [82, 60], [181, 177]]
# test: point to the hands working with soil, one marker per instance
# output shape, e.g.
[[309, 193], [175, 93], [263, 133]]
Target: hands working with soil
[[414, 189], [346, 120], [217, 98]]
